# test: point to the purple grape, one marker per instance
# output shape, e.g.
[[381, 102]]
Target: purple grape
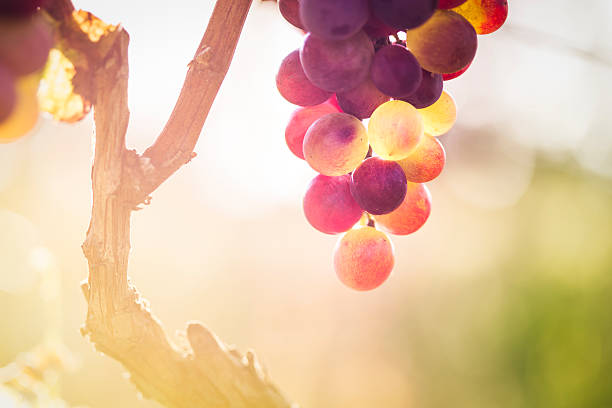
[[403, 14], [377, 29], [379, 186], [334, 19], [19, 8], [337, 66], [294, 86], [395, 71], [362, 100], [290, 9], [25, 45], [428, 92], [8, 93]]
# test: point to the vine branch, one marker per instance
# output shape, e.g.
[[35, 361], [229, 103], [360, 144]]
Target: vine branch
[[119, 321]]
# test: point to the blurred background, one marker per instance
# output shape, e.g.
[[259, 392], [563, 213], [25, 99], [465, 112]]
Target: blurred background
[[503, 299]]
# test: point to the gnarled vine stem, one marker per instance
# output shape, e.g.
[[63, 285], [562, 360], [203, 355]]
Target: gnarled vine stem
[[119, 322]]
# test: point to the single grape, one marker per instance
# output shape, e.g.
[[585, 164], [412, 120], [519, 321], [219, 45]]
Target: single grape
[[362, 100], [299, 122], [337, 66], [444, 44], [395, 71], [440, 117], [449, 4], [375, 28], [335, 144], [428, 91], [8, 93], [19, 8], [334, 19], [426, 162], [395, 129], [403, 14], [290, 10], [411, 214], [485, 15], [379, 186], [447, 77], [363, 258], [294, 86], [25, 114], [329, 205], [25, 45]]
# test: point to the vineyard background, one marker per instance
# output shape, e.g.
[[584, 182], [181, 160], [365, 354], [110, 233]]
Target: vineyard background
[[500, 300]]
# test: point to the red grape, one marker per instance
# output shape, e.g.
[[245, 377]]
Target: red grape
[[290, 9], [334, 19], [329, 205], [395, 129], [426, 162], [428, 92], [395, 71], [375, 28], [447, 77], [444, 44], [379, 186], [8, 93], [411, 214], [404, 14], [294, 86], [363, 258], [19, 8], [485, 15], [449, 4], [337, 66], [335, 144], [299, 122], [362, 100], [25, 45]]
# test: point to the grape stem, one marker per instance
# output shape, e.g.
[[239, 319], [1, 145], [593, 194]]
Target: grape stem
[[119, 321]]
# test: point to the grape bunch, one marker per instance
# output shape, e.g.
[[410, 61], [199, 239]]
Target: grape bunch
[[385, 62], [25, 42]]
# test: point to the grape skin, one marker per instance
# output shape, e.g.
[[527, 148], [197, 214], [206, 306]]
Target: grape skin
[[486, 16], [25, 45], [334, 19], [378, 186], [299, 122], [444, 44], [293, 85], [426, 162], [404, 14], [440, 117], [290, 10], [329, 206], [395, 71], [410, 216], [363, 100], [363, 258], [335, 144], [395, 129], [8, 93], [449, 4], [428, 92], [337, 66]]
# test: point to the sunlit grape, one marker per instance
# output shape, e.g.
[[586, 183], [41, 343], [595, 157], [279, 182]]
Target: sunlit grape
[[290, 10], [362, 100], [426, 161], [411, 214], [8, 94], [379, 186], [395, 129], [25, 114], [485, 15], [444, 44], [334, 19], [363, 258], [449, 4], [329, 205], [25, 45], [395, 71], [335, 144], [404, 14], [299, 122], [447, 77], [428, 91], [19, 8], [440, 117], [294, 86], [337, 66]]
